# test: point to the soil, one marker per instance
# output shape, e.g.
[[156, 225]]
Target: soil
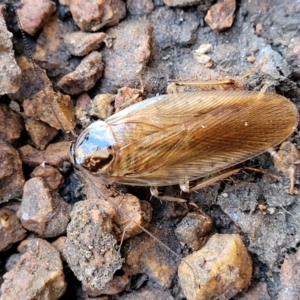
[[252, 204]]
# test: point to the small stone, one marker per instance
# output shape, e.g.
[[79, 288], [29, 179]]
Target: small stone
[[10, 73], [203, 49], [126, 97], [101, 106], [34, 14], [30, 279], [194, 229], [53, 108], [85, 76], [54, 155], [222, 267], [42, 211], [82, 43], [11, 125], [91, 246], [51, 175], [97, 14], [251, 59], [259, 29], [11, 173], [221, 15], [41, 133], [139, 8], [11, 230], [202, 59]]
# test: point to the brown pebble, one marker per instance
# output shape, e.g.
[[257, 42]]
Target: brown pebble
[[34, 14], [53, 108], [82, 43], [222, 267], [193, 230], [54, 155], [85, 76], [10, 74], [139, 8], [51, 175], [11, 125], [11, 173], [43, 211], [101, 106], [251, 59], [90, 249], [41, 133], [259, 28], [126, 97], [221, 15], [37, 275], [11, 230], [97, 14]]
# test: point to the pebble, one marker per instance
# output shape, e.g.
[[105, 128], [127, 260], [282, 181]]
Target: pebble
[[51, 175], [85, 76], [40, 133], [34, 14], [55, 154], [95, 14], [29, 279], [11, 173], [43, 211], [10, 73], [222, 267], [82, 43], [11, 125], [90, 246], [221, 15], [11, 230]]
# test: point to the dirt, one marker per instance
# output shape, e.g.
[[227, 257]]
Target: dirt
[[252, 204]]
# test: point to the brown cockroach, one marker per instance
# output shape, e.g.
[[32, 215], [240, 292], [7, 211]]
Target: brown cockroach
[[177, 138]]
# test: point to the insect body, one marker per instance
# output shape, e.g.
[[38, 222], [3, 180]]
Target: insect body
[[173, 139]]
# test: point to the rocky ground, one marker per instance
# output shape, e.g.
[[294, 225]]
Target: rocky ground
[[93, 62]]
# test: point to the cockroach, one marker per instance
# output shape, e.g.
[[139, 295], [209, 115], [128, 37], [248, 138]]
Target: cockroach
[[174, 139]]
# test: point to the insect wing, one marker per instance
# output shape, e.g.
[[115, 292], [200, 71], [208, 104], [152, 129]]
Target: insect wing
[[192, 135]]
